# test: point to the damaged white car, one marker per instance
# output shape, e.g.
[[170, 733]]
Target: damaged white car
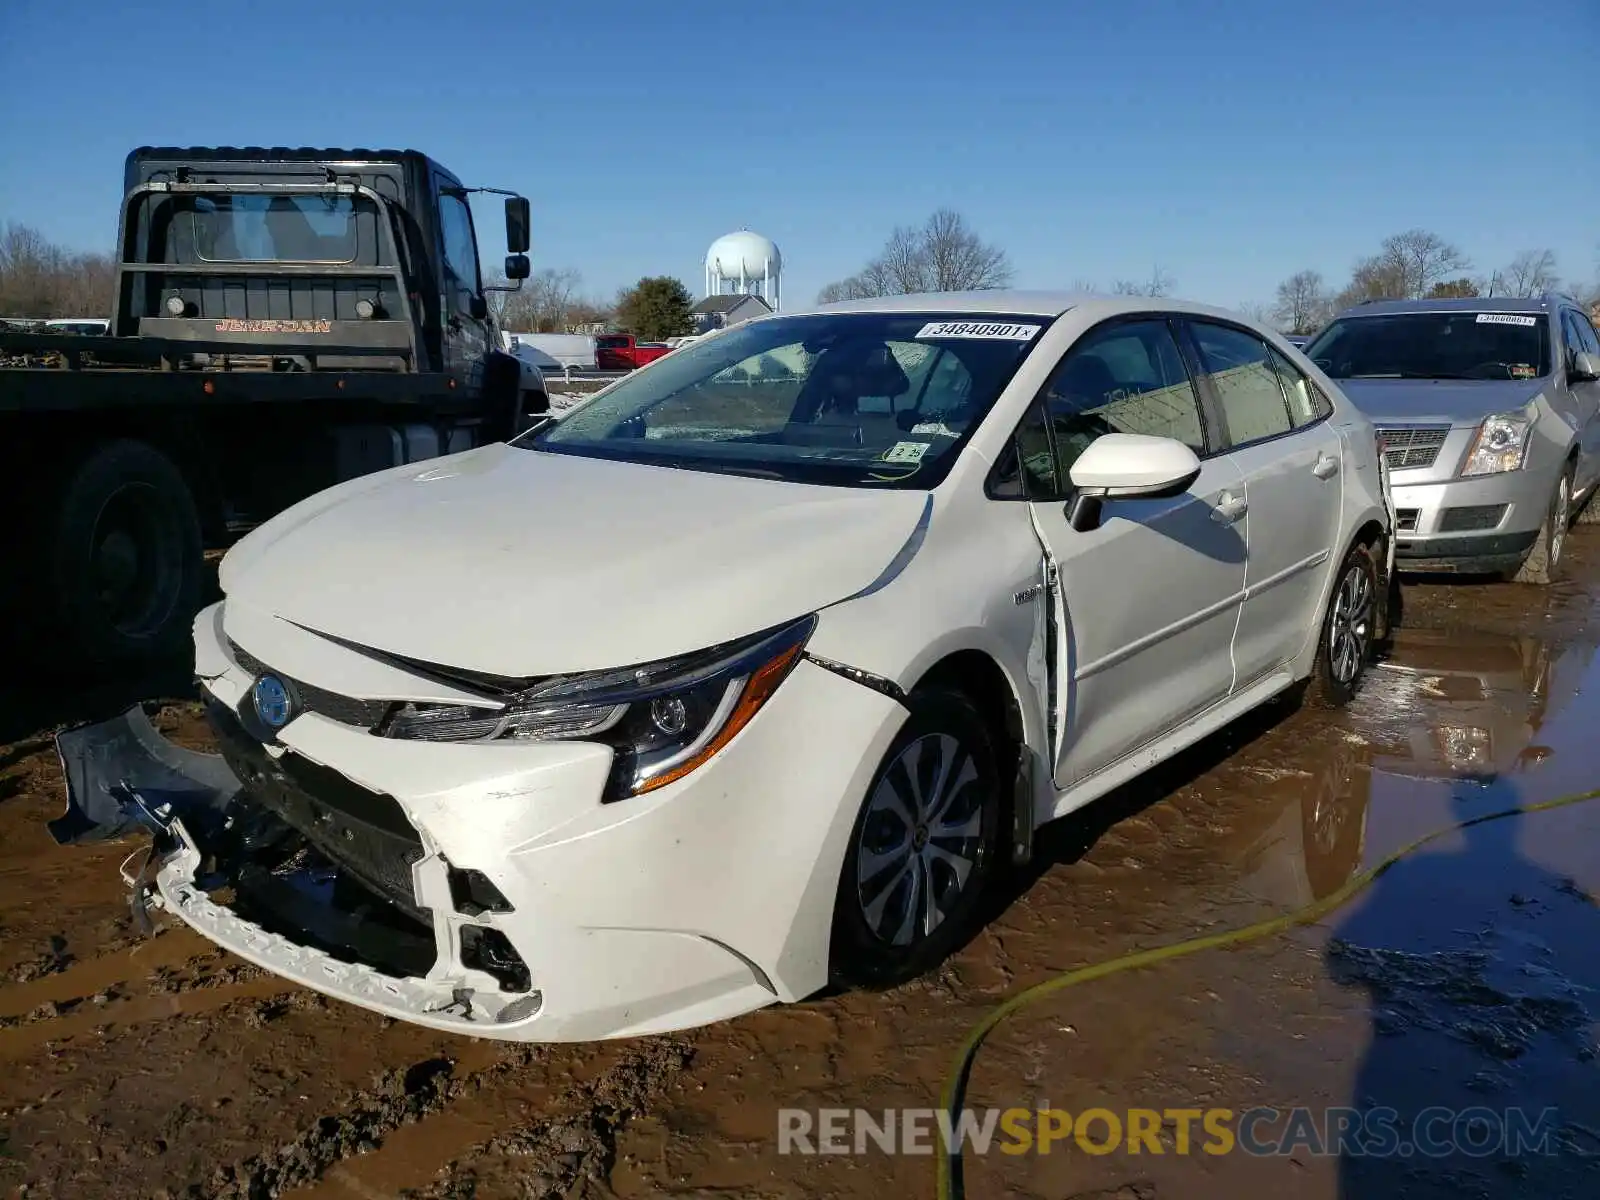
[[751, 672]]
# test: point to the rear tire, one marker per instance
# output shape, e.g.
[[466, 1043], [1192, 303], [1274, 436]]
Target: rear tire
[[1547, 558], [1345, 636], [905, 900], [125, 558]]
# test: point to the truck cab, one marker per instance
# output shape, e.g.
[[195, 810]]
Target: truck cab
[[282, 320]]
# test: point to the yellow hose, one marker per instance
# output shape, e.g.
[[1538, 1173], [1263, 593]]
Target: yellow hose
[[951, 1186]]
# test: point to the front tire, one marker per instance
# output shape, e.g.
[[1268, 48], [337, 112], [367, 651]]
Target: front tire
[[1344, 640], [924, 847], [1544, 562]]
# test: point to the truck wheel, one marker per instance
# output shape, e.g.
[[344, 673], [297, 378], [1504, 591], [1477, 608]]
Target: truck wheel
[[126, 558]]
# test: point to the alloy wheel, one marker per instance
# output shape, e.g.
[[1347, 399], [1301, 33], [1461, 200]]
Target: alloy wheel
[[1350, 625], [1560, 518]]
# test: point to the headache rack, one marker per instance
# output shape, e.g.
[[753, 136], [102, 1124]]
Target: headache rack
[[179, 336]]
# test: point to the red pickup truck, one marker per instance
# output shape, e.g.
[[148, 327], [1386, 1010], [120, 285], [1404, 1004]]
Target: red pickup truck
[[621, 352]]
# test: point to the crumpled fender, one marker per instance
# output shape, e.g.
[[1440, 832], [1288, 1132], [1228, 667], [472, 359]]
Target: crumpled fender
[[122, 775]]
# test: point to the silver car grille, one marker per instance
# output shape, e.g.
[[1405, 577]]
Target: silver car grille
[[1409, 446]]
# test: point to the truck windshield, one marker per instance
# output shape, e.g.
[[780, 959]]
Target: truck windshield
[[1435, 345], [256, 228], [854, 399]]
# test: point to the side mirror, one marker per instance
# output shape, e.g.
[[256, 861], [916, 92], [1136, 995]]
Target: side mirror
[[517, 266], [1585, 368], [479, 308], [1128, 466], [517, 224]]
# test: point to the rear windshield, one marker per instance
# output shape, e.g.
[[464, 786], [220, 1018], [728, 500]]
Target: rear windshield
[[319, 229], [853, 399], [1435, 345]]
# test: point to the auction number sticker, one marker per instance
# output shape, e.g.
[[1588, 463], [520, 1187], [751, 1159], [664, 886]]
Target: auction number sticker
[[1506, 319], [1004, 331], [906, 452]]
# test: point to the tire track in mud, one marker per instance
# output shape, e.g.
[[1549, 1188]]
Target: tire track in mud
[[176, 973], [444, 1105]]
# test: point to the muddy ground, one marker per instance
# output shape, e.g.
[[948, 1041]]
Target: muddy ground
[[1462, 979]]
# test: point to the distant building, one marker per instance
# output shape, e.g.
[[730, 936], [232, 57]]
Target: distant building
[[727, 308]]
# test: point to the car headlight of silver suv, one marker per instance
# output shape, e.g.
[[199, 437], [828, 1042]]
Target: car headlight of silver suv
[[1501, 443], [662, 718]]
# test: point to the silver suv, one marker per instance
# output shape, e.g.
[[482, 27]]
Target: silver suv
[[1489, 413]]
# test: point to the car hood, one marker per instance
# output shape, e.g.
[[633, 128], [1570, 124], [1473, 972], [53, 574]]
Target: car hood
[[1441, 401], [516, 562]]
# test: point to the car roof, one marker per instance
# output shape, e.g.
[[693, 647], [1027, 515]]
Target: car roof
[[1506, 304], [1015, 303]]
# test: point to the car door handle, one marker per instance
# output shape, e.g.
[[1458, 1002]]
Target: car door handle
[[1228, 509], [1327, 466]]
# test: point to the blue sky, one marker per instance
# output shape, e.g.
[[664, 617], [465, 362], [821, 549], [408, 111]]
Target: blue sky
[[1230, 141]]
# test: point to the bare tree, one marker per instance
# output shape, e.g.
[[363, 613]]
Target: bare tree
[[1464, 288], [1372, 279], [1303, 304], [1159, 284], [1258, 312], [958, 259], [41, 279], [548, 302], [943, 255], [1531, 273], [1417, 259]]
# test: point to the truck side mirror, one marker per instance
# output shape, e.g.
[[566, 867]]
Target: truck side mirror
[[479, 308], [517, 223], [517, 266]]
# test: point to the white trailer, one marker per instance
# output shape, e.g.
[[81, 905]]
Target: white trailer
[[547, 351]]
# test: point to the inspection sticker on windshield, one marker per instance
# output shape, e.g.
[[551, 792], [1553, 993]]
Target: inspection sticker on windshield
[[1505, 319], [1520, 370], [905, 452], [1004, 331]]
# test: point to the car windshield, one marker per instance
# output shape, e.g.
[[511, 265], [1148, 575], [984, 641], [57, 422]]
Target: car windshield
[[1457, 344], [853, 399]]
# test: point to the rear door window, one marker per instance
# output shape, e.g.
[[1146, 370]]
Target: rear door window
[[1240, 368], [1307, 404]]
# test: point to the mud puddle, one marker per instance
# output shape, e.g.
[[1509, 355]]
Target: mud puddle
[[1463, 980]]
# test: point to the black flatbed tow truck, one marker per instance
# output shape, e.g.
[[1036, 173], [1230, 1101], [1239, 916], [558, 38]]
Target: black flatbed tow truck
[[283, 320]]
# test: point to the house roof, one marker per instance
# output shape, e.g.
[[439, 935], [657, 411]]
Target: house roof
[[726, 302]]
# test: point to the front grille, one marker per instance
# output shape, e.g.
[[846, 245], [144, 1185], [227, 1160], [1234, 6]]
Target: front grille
[[1470, 517], [347, 710], [1406, 518], [364, 832], [1409, 446]]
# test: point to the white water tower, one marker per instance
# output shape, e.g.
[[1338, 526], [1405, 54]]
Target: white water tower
[[746, 263]]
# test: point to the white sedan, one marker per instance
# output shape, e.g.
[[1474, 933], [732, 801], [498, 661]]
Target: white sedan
[[749, 673]]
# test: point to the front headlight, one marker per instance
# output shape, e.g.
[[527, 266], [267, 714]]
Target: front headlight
[[1501, 444], [663, 718]]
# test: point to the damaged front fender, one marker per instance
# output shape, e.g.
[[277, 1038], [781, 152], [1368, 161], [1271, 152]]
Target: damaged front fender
[[121, 776]]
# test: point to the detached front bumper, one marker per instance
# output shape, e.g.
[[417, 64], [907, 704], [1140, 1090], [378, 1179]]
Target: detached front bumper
[[704, 900]]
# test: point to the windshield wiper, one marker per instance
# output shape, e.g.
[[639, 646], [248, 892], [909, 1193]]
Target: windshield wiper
[[1413, 375], [701, 464]]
